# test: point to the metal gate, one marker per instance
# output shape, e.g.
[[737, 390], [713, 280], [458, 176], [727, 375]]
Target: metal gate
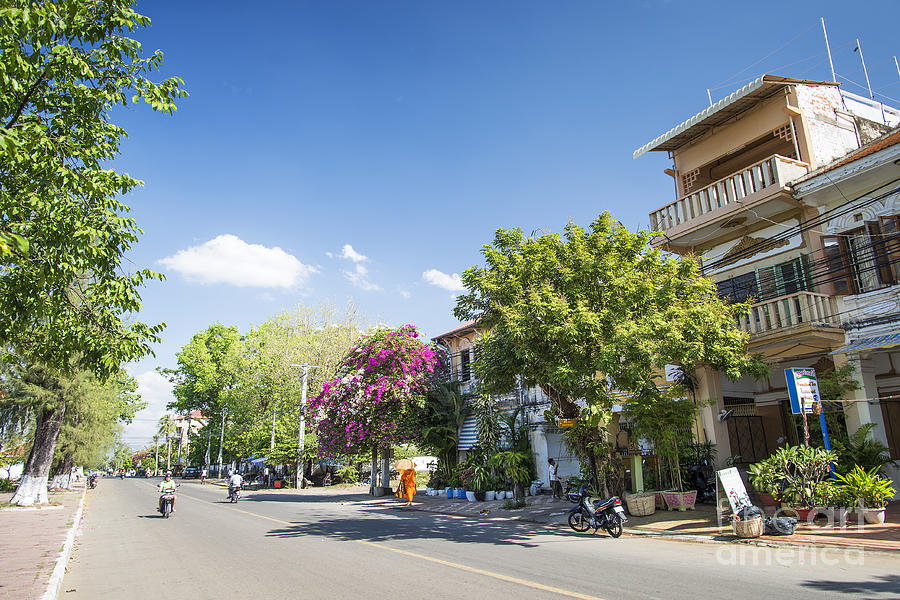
[[748, 438]]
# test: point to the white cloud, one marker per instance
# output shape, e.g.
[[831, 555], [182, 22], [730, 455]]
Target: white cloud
[[405, 294], [156, 391], [349, 253], [451, 283], [358, 278], [229, 259]]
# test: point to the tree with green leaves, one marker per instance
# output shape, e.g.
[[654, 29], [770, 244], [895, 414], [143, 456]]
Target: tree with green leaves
[[165, 428], [65, 293], [594, 311]]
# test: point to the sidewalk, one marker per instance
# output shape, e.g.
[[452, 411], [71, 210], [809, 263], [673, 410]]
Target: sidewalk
[[30, 543], [696, 525]]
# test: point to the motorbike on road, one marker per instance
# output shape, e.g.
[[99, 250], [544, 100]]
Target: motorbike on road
[[92, 481], [166, 504], [234, 493], [599, 514]]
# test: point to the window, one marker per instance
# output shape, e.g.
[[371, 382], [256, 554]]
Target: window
[[465, 371], [863, 259], [766, 283]]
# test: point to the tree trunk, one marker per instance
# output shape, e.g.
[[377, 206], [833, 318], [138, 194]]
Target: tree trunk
[[374, 473], [62, 478], [33, 485]]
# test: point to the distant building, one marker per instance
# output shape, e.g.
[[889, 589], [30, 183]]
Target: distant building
[[185, 426]]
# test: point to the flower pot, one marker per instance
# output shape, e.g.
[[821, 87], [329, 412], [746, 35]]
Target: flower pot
[[449, 492], [509, 494], [460, 494], [489, 495], [681, 500], [801, 513], [661, 500], [768, 501], [480, 496], [499, 495], [429, 491], [873, 516], [470, 496], [536, 487], [640, 505]]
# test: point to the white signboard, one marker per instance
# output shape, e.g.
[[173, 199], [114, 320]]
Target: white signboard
[[734, 488], [803, 389]]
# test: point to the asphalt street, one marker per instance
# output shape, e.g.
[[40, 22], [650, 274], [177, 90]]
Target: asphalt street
[[318, 545]]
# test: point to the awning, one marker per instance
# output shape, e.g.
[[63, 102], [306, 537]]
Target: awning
[[882, 341], [468, 434]]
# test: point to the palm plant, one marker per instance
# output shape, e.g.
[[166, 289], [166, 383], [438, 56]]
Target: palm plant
[[446, 411], [863, 450]]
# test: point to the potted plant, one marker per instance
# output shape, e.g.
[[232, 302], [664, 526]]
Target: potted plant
[[869, 490], [480, 480], [832, 500], [799, 470], [762, 478]]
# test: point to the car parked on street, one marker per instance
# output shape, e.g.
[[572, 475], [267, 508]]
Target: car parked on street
[[190, 473]]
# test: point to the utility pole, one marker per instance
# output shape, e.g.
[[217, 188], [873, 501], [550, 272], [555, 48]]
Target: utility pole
[[221, 440], [272, 442], [301, 437], [156, 458], [865, 70]]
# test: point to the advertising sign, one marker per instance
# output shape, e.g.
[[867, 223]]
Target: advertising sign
[[803, 389], [734, 490]]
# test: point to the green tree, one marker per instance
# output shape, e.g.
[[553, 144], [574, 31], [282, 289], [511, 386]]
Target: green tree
[[64, 66], [165, 428], [594, 311]]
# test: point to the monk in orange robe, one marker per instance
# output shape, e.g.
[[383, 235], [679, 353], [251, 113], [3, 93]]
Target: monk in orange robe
[[407, 487]]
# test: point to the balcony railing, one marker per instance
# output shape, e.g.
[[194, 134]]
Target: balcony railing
[[773, 171], [790, 311]]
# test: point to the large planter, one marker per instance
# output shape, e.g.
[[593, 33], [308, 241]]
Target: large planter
[[801, 513], [499, 495], [449, 492], [661, 500], [769, 503], [480, 496], [470, 496], [509, 494], [680, 500], [641, 505], [873, 516], [489, 495], [460, 494]]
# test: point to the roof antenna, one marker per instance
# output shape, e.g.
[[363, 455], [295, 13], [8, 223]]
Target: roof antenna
[[708, 95], [897, 65], [866, 71], [828, 48]]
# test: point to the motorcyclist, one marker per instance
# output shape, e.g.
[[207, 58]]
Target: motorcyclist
[[166, 486], [234, 482]]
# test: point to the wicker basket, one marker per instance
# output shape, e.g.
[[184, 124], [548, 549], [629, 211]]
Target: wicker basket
[[641, 505], [752, 528]]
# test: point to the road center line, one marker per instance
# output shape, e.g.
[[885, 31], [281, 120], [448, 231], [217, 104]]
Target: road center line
[[431, 559]]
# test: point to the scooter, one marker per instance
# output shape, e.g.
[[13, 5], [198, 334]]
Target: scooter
[[705, 486], [599, 514], [92, 481], [234, 493]]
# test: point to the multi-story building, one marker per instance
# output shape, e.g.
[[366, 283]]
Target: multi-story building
[[786, 192]]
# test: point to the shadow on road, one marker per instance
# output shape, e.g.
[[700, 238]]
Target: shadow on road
[[413, 525], [886, 585], [250, 496]]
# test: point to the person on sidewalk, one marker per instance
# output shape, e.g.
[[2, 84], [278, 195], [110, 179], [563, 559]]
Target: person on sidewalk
[[407, 487], [555, 486]]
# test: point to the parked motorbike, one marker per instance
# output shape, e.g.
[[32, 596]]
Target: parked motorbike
[[234, 493], [705, 486], [599, 514], [572, 491]]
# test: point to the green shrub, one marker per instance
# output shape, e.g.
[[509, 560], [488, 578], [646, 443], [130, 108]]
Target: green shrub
[[867, 487], [7, 485], [348, 474], [514, 504]]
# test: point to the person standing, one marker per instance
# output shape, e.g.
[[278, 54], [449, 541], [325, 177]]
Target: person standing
[[555, 486], [407, 487]]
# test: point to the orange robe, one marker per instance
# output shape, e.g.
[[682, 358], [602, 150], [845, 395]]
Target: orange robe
[[407, 487]]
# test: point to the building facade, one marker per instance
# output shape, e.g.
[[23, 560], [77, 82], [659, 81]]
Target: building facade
[[785, 191]]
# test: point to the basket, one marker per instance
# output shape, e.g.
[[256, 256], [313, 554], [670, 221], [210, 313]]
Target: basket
[[752, 528], [641, 505]]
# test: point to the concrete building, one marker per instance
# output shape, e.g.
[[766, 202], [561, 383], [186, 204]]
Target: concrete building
[[786, 191]]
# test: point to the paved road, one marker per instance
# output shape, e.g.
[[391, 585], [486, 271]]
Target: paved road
[[349, 546]]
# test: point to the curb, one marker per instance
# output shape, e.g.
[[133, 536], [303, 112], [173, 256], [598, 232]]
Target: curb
[[62, 560]]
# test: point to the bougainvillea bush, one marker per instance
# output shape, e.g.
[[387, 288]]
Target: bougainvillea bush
[[377, 398]]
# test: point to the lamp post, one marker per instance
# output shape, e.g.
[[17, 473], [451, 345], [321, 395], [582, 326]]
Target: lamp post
[[302, 435]]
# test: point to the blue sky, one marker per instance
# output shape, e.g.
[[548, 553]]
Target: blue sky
[[367, 150]]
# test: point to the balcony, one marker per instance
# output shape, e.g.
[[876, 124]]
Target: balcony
[[720, 200], [790, 312]]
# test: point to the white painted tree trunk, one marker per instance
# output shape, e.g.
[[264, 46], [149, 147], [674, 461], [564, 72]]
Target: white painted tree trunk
[[31, 491]]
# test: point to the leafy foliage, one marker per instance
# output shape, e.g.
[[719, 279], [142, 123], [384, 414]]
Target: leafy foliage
[[558, 311], [863, 450], [63, 231], [867, 487], [379, 396]]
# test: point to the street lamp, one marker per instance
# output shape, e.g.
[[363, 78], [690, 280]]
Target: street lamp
[[301, 436]]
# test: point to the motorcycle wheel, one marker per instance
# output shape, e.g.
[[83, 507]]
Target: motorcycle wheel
[[165, 510], [573, 497], [615, 527], [578, 521]]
